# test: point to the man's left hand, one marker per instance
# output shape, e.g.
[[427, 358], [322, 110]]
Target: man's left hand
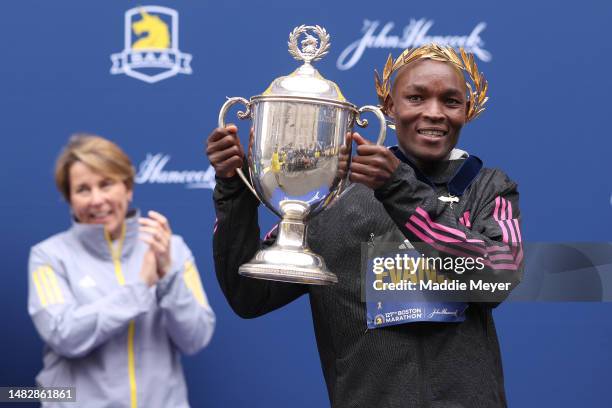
[[373, 165]]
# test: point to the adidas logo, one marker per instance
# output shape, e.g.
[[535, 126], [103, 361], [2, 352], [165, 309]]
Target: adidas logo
[[406, 245]]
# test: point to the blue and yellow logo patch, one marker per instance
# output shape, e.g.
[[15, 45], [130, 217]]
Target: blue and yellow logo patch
[[151, 47]]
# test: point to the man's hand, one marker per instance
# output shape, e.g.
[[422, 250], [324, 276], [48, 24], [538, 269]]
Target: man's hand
[[373, 165], [343, 156], [224, 151]]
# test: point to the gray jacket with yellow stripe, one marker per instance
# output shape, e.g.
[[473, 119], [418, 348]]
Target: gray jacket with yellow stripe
[[107, 334]]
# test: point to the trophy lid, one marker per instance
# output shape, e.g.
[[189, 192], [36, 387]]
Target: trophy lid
[[306, 80]]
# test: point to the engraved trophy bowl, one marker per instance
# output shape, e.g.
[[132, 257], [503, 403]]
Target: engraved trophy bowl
[[299, 158]]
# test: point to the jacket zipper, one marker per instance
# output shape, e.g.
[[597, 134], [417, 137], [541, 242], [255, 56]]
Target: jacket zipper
[[116, 256]]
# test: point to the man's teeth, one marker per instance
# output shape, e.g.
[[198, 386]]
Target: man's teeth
[[431, 132], [100, 215]]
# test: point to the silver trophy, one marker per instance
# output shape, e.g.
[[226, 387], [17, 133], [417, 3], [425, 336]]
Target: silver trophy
[[299, 157]]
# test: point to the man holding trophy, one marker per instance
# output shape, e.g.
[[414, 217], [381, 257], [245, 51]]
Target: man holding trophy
[[423, 191]]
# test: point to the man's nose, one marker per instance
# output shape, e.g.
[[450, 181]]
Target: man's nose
[[433, 111]]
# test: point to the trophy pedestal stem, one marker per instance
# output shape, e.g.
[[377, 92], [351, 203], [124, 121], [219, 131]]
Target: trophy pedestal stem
[[289, 259]]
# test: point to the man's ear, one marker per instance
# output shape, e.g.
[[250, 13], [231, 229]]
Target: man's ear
[[390, 107]]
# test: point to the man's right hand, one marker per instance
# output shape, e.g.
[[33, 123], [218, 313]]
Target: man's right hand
[[224, 151]]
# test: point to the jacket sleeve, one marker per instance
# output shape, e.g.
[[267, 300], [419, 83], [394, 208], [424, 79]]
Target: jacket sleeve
[[189, 319], [235, 241], [490, 231], [72, 329]]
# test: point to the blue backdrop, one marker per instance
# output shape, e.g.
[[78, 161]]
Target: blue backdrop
[[547, 125]]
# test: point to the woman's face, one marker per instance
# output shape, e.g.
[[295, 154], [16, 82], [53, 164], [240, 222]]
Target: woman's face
[[428, 103], [98, 199]]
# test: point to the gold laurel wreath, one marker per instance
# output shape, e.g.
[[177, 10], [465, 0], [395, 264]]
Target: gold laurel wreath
[[477, 97]]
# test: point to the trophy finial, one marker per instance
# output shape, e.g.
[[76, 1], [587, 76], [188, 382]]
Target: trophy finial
[[309, 51]]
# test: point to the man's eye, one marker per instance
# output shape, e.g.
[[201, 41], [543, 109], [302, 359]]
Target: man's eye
[[414, 98], [453, 101]]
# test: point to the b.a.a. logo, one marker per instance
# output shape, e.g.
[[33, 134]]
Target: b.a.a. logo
[[151, 47]]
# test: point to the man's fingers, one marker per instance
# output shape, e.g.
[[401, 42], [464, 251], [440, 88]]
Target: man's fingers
[[220, 133], [372, 149], [225, 142], [372, 160], [361, 178], [233, 163], [365, 169], [360, 140], [219, 157]]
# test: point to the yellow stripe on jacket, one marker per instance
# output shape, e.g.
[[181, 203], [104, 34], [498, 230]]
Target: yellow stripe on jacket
[[193, 282]]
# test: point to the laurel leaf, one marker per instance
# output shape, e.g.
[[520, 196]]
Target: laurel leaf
[[485, 88], [463, 56], [403, 59], [378, 84], [453, 57], [388, 70], [473, 67]]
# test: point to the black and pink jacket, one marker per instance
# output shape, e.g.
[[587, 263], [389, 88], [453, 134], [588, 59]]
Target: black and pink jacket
[[421, 364]]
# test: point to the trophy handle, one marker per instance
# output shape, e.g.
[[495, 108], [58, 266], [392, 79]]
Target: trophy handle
[[381, 118], [241, 115]]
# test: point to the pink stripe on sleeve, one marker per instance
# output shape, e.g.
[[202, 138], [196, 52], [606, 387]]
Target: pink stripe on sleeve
[[466, 217], [509, 209], [415, 220], [519, 257], [495, 211], [269, 234], [499, 217], [509, 222], [473, 245], [511, 229], [440, 227], [445, 249]]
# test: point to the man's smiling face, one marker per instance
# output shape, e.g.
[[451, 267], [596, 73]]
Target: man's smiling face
[[429, 106]]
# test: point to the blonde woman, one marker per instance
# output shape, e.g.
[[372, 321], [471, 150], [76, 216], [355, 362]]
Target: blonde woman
[[117, 296]]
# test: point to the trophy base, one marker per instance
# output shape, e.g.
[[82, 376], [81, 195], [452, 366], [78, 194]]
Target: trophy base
[[289, 259], [288, 266]]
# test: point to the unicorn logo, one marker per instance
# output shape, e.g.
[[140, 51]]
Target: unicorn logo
[[151, 51]]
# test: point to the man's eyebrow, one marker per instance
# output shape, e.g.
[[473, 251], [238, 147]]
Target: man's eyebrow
[[416, 87], [453, 92], [450, 91]]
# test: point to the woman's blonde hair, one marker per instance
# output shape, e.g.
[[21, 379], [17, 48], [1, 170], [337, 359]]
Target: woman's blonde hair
[[98, 153]]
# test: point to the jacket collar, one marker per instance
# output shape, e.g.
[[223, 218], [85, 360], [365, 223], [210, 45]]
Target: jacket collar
[[460, 181], [97, 242]]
